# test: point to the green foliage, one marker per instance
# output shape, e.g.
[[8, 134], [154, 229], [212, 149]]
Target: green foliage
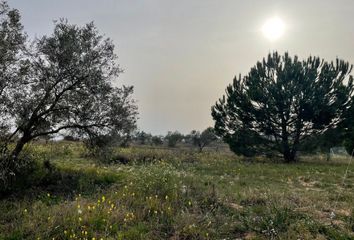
[[143, 137], [70, 138], [201, 140], [181, 195], [324, 142], [28, 170], [173, 138], [281, 102], [157, 140], [64, 81], [100, 146], [349, 145], [347, 130]]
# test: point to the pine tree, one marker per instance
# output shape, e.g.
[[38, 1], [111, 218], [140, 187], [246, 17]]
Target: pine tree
[[281, 102]]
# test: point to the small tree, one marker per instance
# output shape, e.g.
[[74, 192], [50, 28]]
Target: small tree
[[143, 137], [157, 140], [203, 139], [173, 138], [281, 102]]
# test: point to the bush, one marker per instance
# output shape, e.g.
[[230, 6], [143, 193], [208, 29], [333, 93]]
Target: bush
[[173, 138], [27, 171], [156, 140], [70, 138], [100, 147]]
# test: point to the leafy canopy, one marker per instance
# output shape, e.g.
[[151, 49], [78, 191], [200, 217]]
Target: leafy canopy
[[202, 139], [281, 102], [61, 82]]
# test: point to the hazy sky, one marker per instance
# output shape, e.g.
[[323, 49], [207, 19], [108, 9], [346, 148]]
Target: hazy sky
[[181, 55]]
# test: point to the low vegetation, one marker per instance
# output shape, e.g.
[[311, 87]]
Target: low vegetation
[[176, 194]]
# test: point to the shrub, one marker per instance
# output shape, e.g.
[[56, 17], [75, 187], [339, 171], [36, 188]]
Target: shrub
[[27, 171]]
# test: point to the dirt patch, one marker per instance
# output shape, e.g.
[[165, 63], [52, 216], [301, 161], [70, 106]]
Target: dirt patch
[[250, 236], [235, 206], [344, 212], [309, 185]]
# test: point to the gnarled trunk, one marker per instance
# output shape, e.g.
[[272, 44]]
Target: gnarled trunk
[[19, 146]]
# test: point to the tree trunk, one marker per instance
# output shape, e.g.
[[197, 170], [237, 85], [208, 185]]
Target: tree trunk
[[19, 146], [200, 146], [287, 153], [289, 156]]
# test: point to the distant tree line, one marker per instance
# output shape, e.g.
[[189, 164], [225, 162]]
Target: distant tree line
[[195, 139], [172, 139]]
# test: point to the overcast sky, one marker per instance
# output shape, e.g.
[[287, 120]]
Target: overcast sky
[[181, 55]]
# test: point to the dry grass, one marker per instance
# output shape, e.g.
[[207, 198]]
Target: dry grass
[[169, 194]]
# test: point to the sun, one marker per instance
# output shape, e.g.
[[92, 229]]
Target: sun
[[273, 28]]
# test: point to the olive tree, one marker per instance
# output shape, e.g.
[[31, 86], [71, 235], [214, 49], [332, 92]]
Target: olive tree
[[60, 82], [202, 139], [281, 102], [173, 138]]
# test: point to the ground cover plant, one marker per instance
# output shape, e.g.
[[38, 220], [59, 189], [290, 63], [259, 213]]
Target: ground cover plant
[[178, 194]]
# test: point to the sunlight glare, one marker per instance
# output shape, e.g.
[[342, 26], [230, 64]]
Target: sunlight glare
[[273, 28]]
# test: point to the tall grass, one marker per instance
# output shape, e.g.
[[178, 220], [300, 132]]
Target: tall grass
[[177, 194]]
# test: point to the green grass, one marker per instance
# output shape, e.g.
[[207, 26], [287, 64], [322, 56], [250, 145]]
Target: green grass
[[179, 194]]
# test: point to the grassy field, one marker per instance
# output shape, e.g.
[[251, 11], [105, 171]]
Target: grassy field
[[178, 194]]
